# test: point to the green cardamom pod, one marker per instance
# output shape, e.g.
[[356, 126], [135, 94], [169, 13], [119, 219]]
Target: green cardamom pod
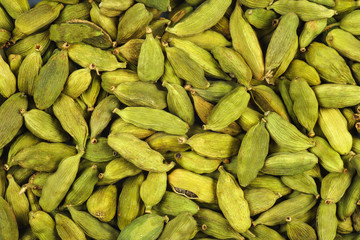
[[102, 203]]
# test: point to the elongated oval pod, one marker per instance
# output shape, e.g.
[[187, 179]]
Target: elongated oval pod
[[182, 227], [326, 220], [349, 202], [67, 229], [344, 43], [107, 23], [7, 77], [297, 230], [334, 185], [196, 163], [116, 170], [42, 225], [310, 31], [8, 226], [260, 199], [102, 203], [301, 182], [349, 22], [153, 189], [301, 69]]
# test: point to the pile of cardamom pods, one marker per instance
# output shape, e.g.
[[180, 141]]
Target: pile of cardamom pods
[[180, 119]]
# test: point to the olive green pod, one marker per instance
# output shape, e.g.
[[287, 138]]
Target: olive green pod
[[208, 40], [349, 22], [213, 145], [263, 232], [301, 182], [232, 202], [334, 185], [214, 224], [228, 109], [99, 151], [355, 219], [69, 115], [107, 23], [260, 199], [10, 117], [280, 45], [42, 225], [245, 42], [173, 204], [6, 21], [153, 189], [350, 117], [169, 75], [146, 227], [260, 18], [267, 100], [215, 91], [345, 226], [14, 62], [8, 225], [37, 181], [155, 119], [102, 203], [4, 37], [293, 207], [208, 14], [151, 59], [305, 104], [7, 79], [328, 157], [132, 24], [326, 220], [306, 10], [3, 182], [129, 51], [85, 55], [179, 102], [186, 68], [15, 8], [193, 186], [67, 229], [301, 69], [344, 43], [298, 230], [129, 203], [51, 79], [82, 187], [252, 153], [28, 235], [113, 8], [18, 202], [182, 227], [348, 203], [332, 95], [205, 60], [29, 70], [328, 63], [44, 126], [74, 11], [311, 30], [116, 170], [334, 126], [37, 18], [114, 78], [78, 82], [120, 126], [28, 44], [140, 94], [249, 118], [52, 192], [233, 63], [90, 96], [286, 134], [255, 3], [196, 163], [163, 143], [93, 227]]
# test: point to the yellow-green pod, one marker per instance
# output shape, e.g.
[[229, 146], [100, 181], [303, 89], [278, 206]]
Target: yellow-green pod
[[67, 229], [169, 75], [102, 203], [334, 185], [15, 8], [74, 11], [6, 22], [348, 203], [208, 40], [344, 43], [113, 8], [129, 203], [129, 51], [260, 18], [107, 23], [14, 62], [21, 175], [249, 118], [196, 163], [90, 96], [78, 82], [8, 227], [298, 230], [301, 182], [163, 143], [182, 227], [332, 95], [120, 126], [7, 79], [326, 220], [263, 232], [173, 204], [153, 189], [311, 30], [27, 45], [4, 37], [114, 78], [260, 199], [301, 69], [256, 3], [42, 225], [349, 22]]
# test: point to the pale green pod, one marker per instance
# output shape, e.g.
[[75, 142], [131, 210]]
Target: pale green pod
[[151, 59], [334, 126], [173, 204], [245, 42], [98, 150], [114, 78], [228, 109], [153, 189], [102, 203], [233, 63], [205, 60], [169, 75], [14, 62], [193, 186], [7, 79], [44, 126], [67, 229], [332, 95], [301, 69], [328, 157], [78, 82], [53, 192], [213, 145], [116, 170], [93, 227], [301, 182], [260, 18], [311, 30], [280, 44], [85, 55], [146, 227], [249, 118], [107, 23], [298, 230], [164, 143], [334, 185], [186, 68], [232, 202], [328, 3], [196, 163], [326, 220], [208, 40], [328, 63], [305, 104], [113, 8], [42, 225], [133, 23], [182, 227], [252, 153], [215, 91], [349, 202], [140, 94], [285, 134], [260, 199], [293, 207], [306, 10], [344, 43], [129, 203], [155, 119], [120, 126], [349, 22], [208, 13]]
